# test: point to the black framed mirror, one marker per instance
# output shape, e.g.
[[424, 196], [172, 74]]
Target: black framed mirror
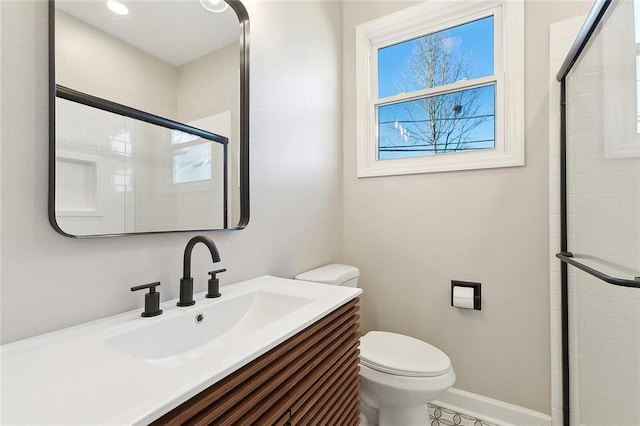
[[149, 116]]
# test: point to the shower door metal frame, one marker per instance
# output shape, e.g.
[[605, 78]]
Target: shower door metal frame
[[590, 26]]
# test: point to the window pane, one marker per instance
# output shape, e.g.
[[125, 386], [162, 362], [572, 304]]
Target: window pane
[[454, 122], [192, 163], [460, 53]]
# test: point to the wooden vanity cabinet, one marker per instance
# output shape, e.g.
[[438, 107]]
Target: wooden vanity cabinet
[[310, 379]]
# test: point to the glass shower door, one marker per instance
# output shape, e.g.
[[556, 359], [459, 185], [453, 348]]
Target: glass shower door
[[601, 236]]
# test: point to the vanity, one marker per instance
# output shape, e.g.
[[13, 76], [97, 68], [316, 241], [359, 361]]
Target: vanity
[[269, 351]]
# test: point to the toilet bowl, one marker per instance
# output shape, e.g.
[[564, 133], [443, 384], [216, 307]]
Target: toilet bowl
[[399, 374]]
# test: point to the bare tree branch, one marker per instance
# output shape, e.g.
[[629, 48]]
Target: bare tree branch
[[445, 122]]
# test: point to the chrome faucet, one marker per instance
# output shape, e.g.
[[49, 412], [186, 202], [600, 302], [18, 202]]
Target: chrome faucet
[[186, 282]]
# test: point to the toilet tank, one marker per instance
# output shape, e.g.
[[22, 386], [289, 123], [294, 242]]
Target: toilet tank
[[334, 274]]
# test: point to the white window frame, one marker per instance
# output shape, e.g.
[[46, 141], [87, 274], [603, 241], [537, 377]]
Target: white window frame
[[426, 18]]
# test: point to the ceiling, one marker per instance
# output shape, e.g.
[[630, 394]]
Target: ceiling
[[174, 31]]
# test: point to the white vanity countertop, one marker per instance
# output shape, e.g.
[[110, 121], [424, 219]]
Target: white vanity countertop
[[75, 376]]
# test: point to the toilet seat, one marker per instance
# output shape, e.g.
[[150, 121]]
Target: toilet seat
[[401, 355]]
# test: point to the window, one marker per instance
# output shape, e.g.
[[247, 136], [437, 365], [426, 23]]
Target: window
[[195, 159], [191, 158], [440, 87]]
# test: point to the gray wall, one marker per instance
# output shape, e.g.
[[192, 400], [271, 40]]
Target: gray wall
[[411, 235], [112, 69], [50, 282], [196, 89]]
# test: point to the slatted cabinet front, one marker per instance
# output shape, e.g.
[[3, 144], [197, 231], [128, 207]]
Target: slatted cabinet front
[[310, 379]]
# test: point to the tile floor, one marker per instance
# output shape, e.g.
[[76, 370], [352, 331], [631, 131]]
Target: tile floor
[[442, 416]]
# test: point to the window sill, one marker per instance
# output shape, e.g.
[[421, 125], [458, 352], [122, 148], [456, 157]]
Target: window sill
[[437, 163]]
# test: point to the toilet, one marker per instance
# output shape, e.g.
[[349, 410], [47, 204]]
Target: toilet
[[399, 374]]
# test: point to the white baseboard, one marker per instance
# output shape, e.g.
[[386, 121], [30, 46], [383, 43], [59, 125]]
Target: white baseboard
[[491, 410]]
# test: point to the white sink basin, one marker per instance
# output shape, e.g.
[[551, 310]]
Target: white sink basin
[[131, 370], [197, 331]]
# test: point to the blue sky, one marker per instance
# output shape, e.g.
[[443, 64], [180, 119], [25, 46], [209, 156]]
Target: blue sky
[[399, 127], [473, 40]]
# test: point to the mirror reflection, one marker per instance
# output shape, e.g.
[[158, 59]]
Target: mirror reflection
[[148, 124]]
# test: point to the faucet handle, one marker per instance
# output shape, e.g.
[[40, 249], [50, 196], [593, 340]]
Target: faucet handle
[[151, 299], [217, 271], [214, 284]]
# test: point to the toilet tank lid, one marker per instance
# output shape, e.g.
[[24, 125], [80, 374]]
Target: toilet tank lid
[[330, 274], [402, 355]]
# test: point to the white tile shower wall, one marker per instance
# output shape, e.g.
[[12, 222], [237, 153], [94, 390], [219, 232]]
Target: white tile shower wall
[[125, 150], [105, 138], [604, 221]]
